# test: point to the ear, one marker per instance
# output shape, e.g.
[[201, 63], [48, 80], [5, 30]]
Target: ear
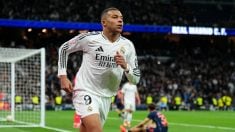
[[103, 22]]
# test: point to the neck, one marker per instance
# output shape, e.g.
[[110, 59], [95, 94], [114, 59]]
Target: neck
[[111, 36]]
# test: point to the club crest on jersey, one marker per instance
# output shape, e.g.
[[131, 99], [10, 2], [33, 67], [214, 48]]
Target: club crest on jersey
[[122, 50], [89, 108]]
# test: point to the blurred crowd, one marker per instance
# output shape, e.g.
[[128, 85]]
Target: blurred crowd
[[152, 12], [194, 78]]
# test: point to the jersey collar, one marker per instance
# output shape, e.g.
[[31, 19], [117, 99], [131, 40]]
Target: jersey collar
[[108, 39]]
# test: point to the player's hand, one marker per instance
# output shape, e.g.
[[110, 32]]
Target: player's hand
[[119, 59], [65, 84]]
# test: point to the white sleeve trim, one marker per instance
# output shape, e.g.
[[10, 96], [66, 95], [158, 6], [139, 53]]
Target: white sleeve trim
[[62, 72]]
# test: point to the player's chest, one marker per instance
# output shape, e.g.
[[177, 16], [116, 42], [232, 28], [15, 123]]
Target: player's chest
[[106, 50]]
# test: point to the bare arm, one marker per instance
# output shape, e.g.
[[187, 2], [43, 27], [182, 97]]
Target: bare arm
[[138, 98]]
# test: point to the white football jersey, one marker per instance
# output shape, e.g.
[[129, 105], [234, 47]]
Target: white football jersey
[[99, 74], [129, 90]]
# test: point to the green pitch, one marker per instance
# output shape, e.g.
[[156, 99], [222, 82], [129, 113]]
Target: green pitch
[[179, 121]]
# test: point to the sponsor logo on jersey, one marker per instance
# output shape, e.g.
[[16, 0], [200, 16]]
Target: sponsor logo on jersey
[[100, 49], [106, 61]]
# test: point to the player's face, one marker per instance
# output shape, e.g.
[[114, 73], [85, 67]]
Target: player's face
[[113, 21]]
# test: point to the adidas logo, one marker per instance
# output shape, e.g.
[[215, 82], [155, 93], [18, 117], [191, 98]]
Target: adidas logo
[[100, 49]]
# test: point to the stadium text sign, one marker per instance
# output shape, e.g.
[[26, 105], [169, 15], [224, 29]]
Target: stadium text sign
[[188, 30], [199, 30]]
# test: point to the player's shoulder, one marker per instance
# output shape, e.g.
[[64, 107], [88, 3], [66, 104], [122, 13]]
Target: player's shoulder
[[88, 35], [153, 113], [126, 40]]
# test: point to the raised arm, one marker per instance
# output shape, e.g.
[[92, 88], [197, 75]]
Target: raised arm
[[132, 71], [130, 65]]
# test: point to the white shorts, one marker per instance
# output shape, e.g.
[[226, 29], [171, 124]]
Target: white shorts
[[86, 104], [130, 106]]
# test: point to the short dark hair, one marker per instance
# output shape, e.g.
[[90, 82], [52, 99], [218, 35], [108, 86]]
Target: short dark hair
[[105, 11], [151, 106]]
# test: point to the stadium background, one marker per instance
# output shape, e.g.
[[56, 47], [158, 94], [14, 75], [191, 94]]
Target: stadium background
[[172, 65]]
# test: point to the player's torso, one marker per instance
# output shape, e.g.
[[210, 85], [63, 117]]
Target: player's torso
[[129, 93], [100, 52], [130, 90], [99, 72]]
